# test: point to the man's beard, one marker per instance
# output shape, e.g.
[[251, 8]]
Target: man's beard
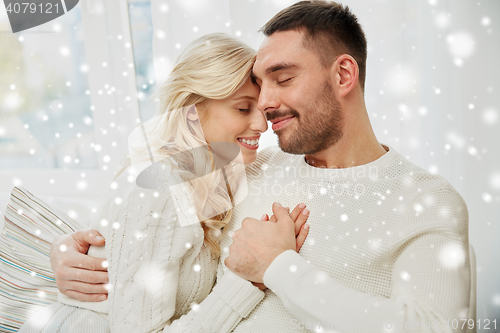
[[319, 126]]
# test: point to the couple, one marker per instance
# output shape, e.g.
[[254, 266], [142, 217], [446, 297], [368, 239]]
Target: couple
[[387, 247]]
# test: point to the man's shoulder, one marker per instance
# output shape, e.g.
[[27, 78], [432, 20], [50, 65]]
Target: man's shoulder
[[422, 187]]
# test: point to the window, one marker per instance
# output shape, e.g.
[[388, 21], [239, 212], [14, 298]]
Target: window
[[46, 118], [68, 100], [141, 29]]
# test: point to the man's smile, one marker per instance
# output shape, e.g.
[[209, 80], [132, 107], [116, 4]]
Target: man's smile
[[279, 123]]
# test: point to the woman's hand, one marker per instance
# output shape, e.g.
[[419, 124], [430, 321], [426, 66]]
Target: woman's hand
[[299, 215], [78, 275]]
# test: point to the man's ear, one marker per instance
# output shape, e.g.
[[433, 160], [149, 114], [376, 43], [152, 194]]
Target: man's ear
[[346, 74], [192, 114]]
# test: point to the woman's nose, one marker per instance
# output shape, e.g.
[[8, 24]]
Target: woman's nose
[[259, 122]]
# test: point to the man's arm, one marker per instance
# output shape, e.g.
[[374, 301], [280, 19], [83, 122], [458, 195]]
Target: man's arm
[[430, 279], [423, 294], [78, 275]]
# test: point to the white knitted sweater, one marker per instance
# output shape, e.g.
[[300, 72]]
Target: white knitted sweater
[[160, 272], [388, 242]]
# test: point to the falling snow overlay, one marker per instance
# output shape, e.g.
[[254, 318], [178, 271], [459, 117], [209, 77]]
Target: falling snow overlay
[[73, 89]]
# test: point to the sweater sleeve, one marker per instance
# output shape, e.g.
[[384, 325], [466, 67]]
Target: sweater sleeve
[[231, 300], [144, 249], [429, 284]]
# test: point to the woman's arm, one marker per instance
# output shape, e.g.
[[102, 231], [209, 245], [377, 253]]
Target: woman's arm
[[231, 299], [145, 248]]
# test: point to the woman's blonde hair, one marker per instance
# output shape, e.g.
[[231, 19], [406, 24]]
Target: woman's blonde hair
[[211, 67]]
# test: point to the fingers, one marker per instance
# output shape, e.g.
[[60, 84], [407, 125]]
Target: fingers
[[91, 236], [296, 211], [86, 262], [281, 213], [301, 237], [85, 297], [87, 288], [272, 218], [81, 275], [300, 220], [264, 217]]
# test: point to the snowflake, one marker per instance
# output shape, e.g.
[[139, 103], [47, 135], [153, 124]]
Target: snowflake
[[460, 44], [195, 306], [442, 20], [485, 21], [487, 197], [490, 116], [495, 180], [496, 300], [452, 256], [64, 51]]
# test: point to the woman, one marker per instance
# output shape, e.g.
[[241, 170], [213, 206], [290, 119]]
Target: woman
[[162, 265]]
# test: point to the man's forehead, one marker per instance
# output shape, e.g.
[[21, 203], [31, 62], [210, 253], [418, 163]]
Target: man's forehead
[[279, 48]]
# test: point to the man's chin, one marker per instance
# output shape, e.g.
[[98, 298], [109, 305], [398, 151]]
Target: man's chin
[[288, 145], [289, 148]]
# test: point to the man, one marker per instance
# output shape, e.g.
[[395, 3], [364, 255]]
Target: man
[[387, 249]]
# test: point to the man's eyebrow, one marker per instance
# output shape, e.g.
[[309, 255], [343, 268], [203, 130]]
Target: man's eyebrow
[[245, 97], [280, 66]]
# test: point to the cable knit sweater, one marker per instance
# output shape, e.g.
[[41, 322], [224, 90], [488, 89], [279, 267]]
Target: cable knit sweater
[[388, 243], [159, 273]]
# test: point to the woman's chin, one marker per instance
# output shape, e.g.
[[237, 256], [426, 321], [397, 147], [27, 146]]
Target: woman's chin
[[249, 158]]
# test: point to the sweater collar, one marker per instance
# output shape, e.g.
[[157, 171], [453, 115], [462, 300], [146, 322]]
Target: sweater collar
[[369, 170]]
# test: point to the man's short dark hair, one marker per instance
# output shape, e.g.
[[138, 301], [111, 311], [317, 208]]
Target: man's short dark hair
[[330, 30]]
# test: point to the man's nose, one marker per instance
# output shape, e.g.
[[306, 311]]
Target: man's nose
[[268, 99]]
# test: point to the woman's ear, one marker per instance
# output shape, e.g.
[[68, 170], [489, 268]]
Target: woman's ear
[[192, 114]]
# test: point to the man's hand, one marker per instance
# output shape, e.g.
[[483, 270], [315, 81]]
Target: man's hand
[[299, 215], [257, 243], [77, 275]]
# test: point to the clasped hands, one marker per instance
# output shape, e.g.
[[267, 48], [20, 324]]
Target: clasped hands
[[258, 242], [255, 245]]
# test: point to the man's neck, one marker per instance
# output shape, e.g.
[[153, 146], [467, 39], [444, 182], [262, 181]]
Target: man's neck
[[349, 151]]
